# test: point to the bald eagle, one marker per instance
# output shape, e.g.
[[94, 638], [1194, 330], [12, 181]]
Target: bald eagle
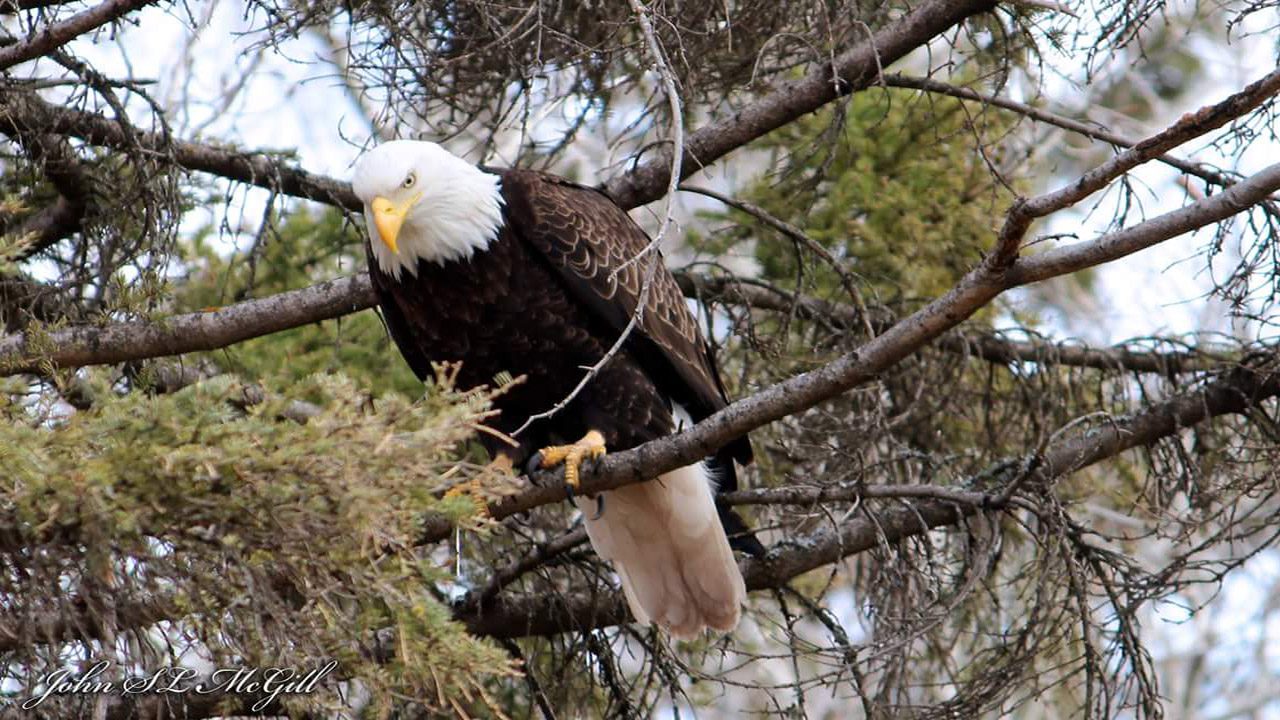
[[530, 274]]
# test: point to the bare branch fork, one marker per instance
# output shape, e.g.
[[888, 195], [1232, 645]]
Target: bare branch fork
[[1086, 129], [850, 71], [83, 346], [981, 285], [929, 507], [922, 508], [61, 33], [1187, 127]]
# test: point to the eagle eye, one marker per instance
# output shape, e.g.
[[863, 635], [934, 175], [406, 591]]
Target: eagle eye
[[409, 181]]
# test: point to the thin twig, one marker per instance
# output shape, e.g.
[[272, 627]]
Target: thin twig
[[1086, 129], [649, 252], [61, 33]]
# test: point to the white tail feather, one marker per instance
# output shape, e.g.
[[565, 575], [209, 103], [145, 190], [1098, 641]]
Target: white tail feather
[[666, 543]]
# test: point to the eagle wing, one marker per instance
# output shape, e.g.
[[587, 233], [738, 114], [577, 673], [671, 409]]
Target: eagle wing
[[604, 259]]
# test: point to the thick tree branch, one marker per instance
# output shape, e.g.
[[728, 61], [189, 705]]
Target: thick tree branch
[[202, 331], [1082, 255], [121, 342], [1189, 126], [852, 70], [61, 33], [1238, 390], [1235, 391], [979, 287], [24, 112]]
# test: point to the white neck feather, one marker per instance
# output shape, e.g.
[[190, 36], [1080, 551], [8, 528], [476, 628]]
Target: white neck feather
[[460, 213]]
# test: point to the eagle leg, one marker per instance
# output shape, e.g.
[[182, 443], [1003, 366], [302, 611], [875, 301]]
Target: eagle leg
[[501, 465], [590, 447]]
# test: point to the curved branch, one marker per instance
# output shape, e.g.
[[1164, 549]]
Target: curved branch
[[1239, 390], [120, 342], [979, 287], [1086, 129], [24, 112], [61, 33], [852, 70]]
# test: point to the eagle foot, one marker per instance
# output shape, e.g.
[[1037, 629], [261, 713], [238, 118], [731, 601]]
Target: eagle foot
[[590, 447], [472, 488]]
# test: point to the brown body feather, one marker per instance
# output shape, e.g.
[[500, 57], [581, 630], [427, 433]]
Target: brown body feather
[[547, 300]]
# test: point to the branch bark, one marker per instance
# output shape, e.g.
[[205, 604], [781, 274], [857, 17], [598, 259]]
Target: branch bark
[[979, 287], [24, 112], [202, 331], [1236, 392], [65, 172], [61, 33], [852, 70], [121, 342], [1049, 118]]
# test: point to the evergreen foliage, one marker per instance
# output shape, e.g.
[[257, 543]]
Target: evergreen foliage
[[268, 542], [263, 504], [305, 246], [894, 185]]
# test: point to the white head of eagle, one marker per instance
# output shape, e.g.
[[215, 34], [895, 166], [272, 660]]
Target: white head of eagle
[[422, 202]]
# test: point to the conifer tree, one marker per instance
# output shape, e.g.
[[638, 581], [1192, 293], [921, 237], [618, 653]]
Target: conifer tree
[[892, 218]]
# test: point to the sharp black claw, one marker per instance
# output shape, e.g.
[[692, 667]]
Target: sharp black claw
[[568, 492], [533, 465], [599, 507]]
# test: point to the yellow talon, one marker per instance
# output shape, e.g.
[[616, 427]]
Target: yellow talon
[[591, 446], [473, 487]]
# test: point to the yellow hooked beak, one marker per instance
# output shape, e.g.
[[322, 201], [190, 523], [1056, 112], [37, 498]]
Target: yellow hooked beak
[[388, 217]]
